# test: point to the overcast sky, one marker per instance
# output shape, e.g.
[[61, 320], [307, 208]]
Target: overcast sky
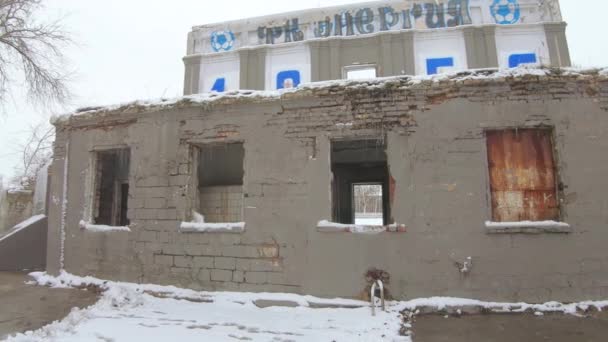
[[133, 49]]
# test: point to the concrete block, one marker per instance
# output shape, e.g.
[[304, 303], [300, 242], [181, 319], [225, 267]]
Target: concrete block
[[152, 181], [147, 236], [163, 260], [225, 263], [238, 276], [184, 261], [167, 214], [203, 275], [256, 277], [221, 275], [263, 265], [173, 249], [193, 250], [155, 203], [146, 214], [203, 262], [243, 264]]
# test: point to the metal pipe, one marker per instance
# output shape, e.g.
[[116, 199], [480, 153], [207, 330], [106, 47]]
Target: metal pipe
[[373, 296]]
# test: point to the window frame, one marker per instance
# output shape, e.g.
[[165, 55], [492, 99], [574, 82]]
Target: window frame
[[194, 194], [93, 177], [336, 184], [535, 227], [358, 67]]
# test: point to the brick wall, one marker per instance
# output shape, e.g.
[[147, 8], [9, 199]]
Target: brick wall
[[436, 155]]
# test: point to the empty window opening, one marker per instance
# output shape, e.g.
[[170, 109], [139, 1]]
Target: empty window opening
[[360, 182], [112, 187], [367, 199], [220, 180], [522, 175], [360, 72]]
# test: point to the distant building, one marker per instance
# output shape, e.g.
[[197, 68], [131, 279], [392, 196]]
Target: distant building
[[384, 38]]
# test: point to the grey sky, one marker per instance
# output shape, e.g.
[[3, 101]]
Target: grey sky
[[132, 49]]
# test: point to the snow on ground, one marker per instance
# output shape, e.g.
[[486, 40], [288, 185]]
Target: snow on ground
[[131, 312], [128, 312]]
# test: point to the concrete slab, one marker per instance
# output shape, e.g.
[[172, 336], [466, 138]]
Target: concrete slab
[[511, 327], [27, 307]]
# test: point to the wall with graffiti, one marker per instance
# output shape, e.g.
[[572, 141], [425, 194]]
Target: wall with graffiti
[[437, 26]]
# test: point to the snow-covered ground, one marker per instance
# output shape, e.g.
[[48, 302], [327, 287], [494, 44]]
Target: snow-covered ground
[[130, 312]]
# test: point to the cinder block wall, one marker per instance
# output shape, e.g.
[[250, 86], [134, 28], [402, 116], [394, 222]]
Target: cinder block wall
[[435, 141]]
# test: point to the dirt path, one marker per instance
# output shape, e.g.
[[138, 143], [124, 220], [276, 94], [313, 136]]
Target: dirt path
[[26, 307], [509, 328]]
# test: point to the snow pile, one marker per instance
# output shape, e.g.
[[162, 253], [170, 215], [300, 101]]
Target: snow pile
[[23, 225], [128, 312], [97, 228], [376, 83], [604, 72], [198, 225]]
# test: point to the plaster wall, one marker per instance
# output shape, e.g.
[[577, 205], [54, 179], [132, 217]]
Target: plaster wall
[[436, 154]]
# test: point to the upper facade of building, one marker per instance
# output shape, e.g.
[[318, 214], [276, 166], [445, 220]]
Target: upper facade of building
[[376, 39]]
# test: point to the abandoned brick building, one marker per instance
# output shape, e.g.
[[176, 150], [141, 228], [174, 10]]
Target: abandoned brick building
[[486, 184]]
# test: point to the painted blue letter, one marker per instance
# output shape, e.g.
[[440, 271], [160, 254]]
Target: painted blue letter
[[219, 85], [519, 59], [433, 64], [288, 79]]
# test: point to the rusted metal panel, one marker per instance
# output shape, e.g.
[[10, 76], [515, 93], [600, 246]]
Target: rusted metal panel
[[522, 175]]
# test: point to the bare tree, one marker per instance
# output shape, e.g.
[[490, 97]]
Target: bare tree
[[32, 51], [35, 153]]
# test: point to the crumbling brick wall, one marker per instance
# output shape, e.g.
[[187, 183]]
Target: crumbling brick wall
[[434, 132]]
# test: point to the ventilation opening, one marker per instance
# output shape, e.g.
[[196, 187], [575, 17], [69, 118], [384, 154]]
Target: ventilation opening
[[112, 188], [220, 179], [360, 182]]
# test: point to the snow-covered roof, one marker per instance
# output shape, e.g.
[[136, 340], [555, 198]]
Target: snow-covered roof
[[317, 88]]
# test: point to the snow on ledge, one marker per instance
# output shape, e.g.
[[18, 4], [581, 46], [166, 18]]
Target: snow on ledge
[[97, 228], [528, 227], [272, 95], [332, 227], [202, 227]]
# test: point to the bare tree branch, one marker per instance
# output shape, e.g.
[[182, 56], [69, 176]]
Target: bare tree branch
[[35, 153], [34, 51]]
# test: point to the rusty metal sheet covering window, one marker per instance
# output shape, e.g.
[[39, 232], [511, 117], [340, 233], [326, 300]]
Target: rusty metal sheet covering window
[[522, 175]]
